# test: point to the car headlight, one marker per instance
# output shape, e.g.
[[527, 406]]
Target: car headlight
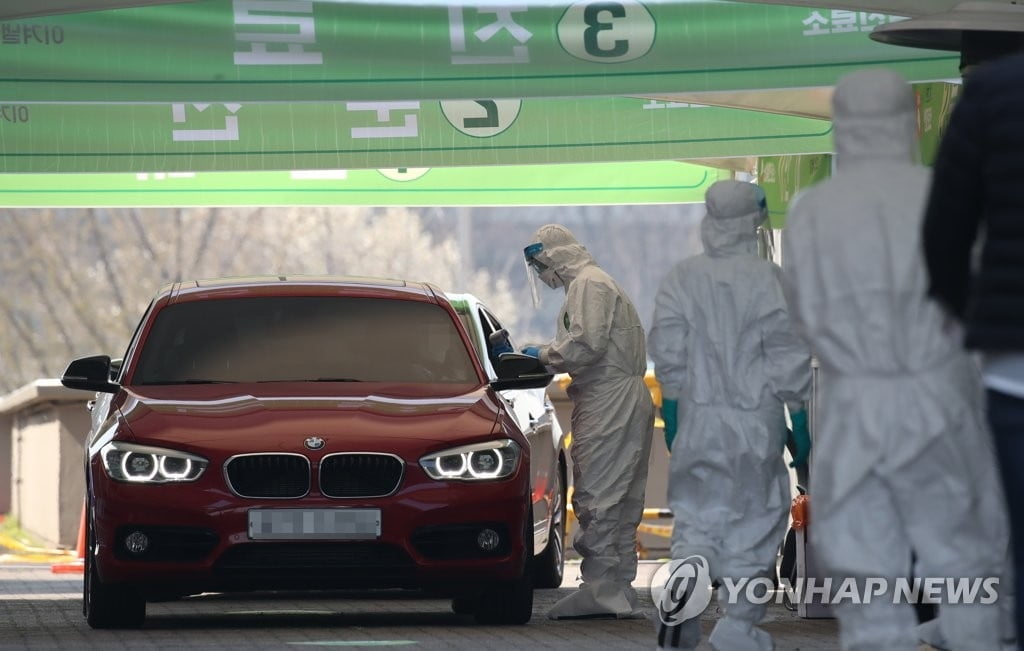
[[479, 462], [145, 464]]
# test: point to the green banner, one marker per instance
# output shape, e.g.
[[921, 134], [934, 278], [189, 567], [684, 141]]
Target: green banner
[[299, 50], [582, 184], [935, 103], [197, 137], [783, 176]]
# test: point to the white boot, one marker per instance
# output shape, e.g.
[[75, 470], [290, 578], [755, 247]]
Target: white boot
[[594, 599]]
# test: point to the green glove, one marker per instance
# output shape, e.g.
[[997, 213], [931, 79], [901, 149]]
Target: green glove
[[670, 414], [801, 438]]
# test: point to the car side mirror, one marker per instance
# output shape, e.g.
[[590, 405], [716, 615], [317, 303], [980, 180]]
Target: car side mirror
[[115, 368], [498, 337], [516, 371], [89, 374]]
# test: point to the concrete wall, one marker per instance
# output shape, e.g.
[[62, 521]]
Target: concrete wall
[[47, 429], [6, 451]]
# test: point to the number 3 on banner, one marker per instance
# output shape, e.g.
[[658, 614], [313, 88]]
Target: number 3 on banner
[[607, 31]]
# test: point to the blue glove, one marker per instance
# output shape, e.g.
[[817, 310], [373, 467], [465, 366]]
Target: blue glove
[[801, 439], [670, 414], [532, 351], [502, 348]]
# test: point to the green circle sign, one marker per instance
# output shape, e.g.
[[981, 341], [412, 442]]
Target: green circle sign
[[481, 118], [607, 31]]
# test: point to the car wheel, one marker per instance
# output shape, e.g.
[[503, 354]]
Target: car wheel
[[105, 605], [511, 602], [465, 605], [506, 603], [550, 565]]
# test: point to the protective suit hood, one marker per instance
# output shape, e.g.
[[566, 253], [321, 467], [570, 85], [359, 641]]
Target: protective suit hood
[[735, 210], [562, 252], [875, 118]]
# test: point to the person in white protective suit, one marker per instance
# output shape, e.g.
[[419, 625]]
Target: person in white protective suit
[[903, 465], [600, 344], [728, 361]]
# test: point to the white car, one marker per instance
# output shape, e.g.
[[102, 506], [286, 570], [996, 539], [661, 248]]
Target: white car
[[535, 413]]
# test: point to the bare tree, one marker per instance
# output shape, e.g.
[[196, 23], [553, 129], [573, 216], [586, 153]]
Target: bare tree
[[76, 281]]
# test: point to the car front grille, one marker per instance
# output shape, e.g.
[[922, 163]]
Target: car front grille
[[268, 475], [360, 474]]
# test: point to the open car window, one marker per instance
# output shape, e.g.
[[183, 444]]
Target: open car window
[[496, 325], [490, 326], [304, 338]]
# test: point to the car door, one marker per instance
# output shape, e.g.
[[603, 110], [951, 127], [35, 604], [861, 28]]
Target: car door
[[535, 415]]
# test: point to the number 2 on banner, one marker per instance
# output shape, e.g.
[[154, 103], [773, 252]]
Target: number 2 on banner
[[481, 118]]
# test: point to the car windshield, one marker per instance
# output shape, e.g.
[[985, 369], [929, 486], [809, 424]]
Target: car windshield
[[308, 338]]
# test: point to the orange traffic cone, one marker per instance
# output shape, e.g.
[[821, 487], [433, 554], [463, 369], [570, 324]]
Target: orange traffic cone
[[77, 565]]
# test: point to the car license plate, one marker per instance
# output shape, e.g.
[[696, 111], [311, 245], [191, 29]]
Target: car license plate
[[318, 524]]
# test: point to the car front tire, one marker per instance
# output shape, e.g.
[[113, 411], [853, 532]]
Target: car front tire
[[511, 602], [106, 605], [506, 603]]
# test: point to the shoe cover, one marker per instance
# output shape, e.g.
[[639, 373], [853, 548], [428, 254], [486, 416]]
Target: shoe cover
[[731, 634], [639, 612], [929, 633], [594, 599]]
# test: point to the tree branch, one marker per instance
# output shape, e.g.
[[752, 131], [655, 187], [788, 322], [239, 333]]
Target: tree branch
[[26, 335], [204, 239], [106, 259], [27, 242], [147, 246]]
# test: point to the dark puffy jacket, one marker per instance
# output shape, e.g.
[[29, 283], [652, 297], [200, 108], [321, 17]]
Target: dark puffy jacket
[[978, 188]]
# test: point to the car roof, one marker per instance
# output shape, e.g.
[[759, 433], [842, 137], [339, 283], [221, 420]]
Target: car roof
[[462, 302], [299, 285]]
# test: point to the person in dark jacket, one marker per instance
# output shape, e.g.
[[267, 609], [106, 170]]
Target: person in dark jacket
[[977, 193]]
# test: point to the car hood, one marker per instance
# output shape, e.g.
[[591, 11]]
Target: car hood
[[281, 416]]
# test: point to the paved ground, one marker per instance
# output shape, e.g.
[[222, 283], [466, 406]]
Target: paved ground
[[42, 610]]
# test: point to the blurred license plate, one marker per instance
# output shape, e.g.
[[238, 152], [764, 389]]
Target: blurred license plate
[[321, 524]]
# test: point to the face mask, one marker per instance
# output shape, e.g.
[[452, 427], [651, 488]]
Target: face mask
[[550, 278]]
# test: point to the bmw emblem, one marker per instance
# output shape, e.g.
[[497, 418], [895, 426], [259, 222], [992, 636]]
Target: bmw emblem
[[314, 443]]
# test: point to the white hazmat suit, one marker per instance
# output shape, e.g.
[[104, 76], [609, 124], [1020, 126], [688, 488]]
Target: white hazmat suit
[[723, 346], [902, 460], [600, 344]]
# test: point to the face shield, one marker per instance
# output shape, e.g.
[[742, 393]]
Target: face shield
[[536, 269]]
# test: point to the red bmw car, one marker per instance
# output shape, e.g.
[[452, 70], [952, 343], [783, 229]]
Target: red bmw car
[[303, 434]]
